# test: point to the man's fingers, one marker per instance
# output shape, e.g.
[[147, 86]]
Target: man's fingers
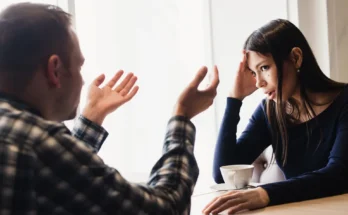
[[114, 79], [124, 82], [99, 80], [132, 93], [215, 82], [202, 72], [129, 86]]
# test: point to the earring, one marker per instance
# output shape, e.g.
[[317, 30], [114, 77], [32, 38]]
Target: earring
[[298, 70]]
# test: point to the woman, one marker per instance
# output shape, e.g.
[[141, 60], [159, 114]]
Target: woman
[[304, 117]]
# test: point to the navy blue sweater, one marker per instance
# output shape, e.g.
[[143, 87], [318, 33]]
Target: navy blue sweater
[[312, 170]]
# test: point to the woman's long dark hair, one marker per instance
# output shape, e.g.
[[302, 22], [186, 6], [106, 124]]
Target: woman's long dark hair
[[277, 38]]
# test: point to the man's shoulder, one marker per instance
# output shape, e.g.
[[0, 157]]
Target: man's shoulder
[[25, 126]]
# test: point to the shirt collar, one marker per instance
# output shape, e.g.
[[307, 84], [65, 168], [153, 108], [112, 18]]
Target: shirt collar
[[17, 103]]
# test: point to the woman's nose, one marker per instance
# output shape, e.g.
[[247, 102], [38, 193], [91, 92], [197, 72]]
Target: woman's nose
[[260, 82]]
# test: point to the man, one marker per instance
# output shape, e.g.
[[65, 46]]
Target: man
[[45, 168]]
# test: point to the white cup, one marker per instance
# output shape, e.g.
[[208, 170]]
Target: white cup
[[237, 176]]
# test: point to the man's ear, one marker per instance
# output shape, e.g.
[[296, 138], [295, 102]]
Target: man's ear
[[296, 57], [54, 69]]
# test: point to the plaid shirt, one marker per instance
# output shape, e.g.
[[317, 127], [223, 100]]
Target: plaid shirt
[[46, 169]]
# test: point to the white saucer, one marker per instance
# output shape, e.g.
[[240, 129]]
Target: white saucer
[[224, 187], [221, 187]]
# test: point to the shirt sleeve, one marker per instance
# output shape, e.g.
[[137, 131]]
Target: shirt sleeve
[[89, 132], [330, 180], [251, 143], [77, 179]]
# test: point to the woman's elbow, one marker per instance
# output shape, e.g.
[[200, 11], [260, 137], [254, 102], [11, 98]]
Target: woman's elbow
[[217, 177]]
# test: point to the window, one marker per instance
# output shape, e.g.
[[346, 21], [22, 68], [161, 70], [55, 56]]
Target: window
[[164, 43], [154, 40], [62, 3], [231, 25]]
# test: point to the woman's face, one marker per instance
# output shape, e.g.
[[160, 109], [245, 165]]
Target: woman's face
[[264, 70]]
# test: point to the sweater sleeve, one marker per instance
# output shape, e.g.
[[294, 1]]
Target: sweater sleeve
[[327, 181], [244, 150]]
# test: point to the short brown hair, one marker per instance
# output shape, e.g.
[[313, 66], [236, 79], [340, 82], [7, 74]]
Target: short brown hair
[[29, 34]]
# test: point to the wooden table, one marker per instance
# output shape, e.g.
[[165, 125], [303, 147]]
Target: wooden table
[[336, 205]]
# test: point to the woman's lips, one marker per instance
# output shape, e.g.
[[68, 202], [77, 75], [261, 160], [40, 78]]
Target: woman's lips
[[271, 95]]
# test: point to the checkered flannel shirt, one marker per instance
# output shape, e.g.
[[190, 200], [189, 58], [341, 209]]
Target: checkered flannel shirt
[[46, 169]]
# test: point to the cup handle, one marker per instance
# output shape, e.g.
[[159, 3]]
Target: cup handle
[[232, 176]]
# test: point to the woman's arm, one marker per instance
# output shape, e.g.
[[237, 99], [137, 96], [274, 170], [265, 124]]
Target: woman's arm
[[330, 180], [327, 181], [255, 138]]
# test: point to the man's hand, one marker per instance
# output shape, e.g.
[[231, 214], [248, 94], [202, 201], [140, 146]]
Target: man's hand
[[104, 100], [193, 101]]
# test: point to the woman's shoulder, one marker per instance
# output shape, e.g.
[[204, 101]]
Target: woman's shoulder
[[262, 107], [345, 94], [340, 100]]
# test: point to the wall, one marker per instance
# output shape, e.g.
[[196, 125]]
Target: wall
[[338, 38], [231, 24], [325, 25], [314, 25]]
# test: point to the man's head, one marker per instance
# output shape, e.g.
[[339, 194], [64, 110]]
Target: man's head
[[40, 59]]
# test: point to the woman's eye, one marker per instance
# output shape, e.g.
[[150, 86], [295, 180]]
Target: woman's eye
[[264, 68], [253, 73]]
